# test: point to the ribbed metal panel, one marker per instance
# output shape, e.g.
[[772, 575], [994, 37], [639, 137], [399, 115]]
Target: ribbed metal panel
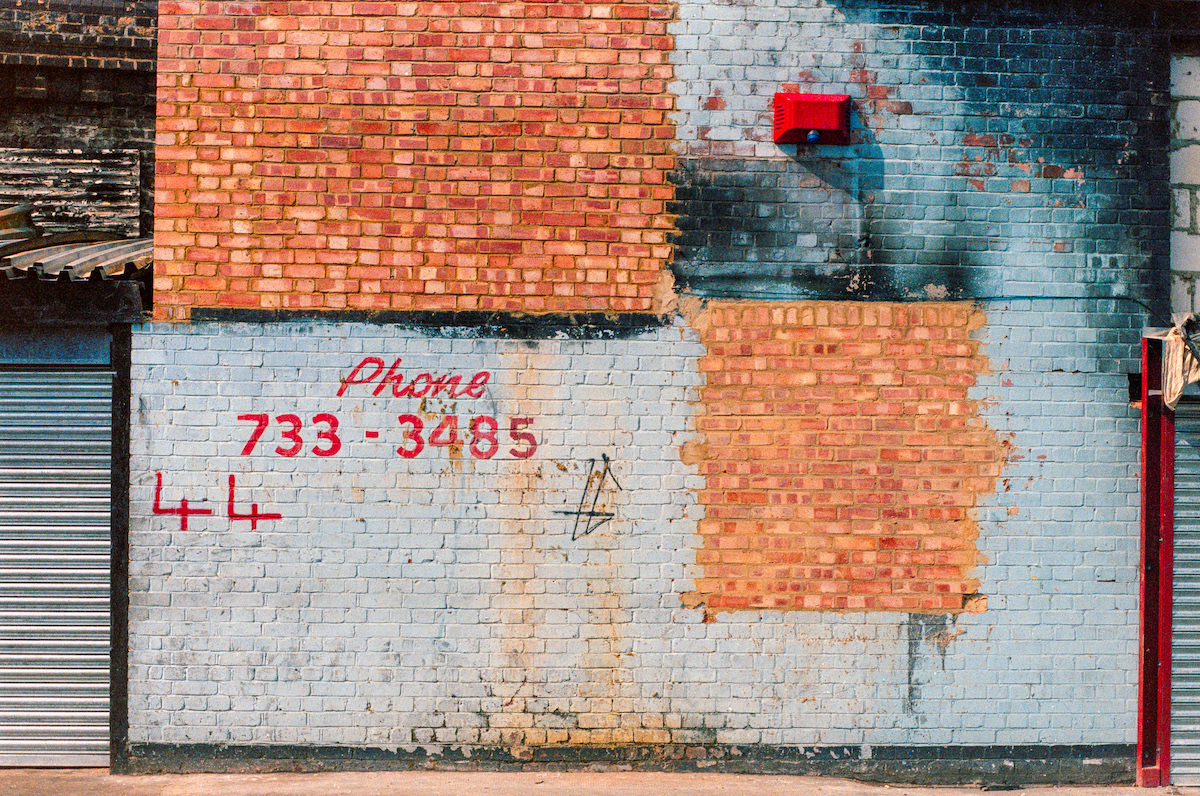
[[55, 463]]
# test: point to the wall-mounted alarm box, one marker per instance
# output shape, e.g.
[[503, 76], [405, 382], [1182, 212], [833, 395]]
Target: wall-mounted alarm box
[[812, 118]]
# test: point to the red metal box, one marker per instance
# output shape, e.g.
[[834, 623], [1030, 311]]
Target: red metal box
[[812, 118]]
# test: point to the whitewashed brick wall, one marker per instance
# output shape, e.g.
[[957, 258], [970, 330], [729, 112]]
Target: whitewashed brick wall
[[442, 600], [1185, 182]]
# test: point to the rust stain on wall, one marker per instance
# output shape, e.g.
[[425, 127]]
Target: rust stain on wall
[[550, 689], [843, 456]]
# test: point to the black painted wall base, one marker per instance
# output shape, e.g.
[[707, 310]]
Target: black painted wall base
[[919, 765]]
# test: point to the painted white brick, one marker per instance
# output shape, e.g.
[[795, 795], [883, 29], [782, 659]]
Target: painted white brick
[[448, 595], [1185, 76]]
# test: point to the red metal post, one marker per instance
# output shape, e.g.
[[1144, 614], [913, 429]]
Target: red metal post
[[1157, 562]]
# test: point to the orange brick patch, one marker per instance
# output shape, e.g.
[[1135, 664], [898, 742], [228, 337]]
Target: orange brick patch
[[412, 155], [842, 456]]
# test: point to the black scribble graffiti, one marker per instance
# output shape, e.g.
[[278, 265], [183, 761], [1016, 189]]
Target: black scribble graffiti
[[587, 516]]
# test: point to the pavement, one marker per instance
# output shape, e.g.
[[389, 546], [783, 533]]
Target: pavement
[[98, 782]]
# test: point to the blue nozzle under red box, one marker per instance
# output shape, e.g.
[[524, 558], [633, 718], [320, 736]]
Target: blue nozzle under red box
[[799, 118]]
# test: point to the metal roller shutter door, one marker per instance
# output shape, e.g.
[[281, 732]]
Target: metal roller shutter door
[[55, 465]]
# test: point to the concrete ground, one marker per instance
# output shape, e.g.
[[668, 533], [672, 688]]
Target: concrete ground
[[98, 782]]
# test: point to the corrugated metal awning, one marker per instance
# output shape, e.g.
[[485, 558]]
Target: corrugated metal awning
[[78, 256]]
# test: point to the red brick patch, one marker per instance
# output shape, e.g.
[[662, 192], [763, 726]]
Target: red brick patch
[[412, 155], [842, 456]]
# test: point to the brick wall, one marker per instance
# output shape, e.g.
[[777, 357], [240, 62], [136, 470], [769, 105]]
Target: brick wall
[[79, 34], [843, 456], [446, 599], [455, 594], [999, 148], [1185, 181], [79, 76], [1008, 155], [434, 155], [998, 152]]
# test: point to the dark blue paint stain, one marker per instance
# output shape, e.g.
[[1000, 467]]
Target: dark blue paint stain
[[1036, 90]]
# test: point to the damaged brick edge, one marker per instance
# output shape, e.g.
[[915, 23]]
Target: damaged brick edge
[[1083, 764], [465, 323]]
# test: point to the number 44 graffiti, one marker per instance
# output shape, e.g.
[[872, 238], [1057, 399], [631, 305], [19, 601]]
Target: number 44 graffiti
[[183, 510]]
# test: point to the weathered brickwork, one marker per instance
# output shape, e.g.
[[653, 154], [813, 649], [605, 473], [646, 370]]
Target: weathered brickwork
[[998, 152], [432, 155], [79, 34], [404, 579], [446, 600], [880, 489], [992, 142], [1058, 537], [79, 75], [842, 454], [71, 190]]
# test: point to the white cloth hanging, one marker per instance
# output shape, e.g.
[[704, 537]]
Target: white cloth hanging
[[1179, 365]]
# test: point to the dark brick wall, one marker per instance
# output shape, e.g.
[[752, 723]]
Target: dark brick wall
[[95, 34], [89, 110], [80, 75]]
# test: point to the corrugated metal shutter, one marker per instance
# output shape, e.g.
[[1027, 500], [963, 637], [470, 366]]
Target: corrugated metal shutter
[[55, 464]]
